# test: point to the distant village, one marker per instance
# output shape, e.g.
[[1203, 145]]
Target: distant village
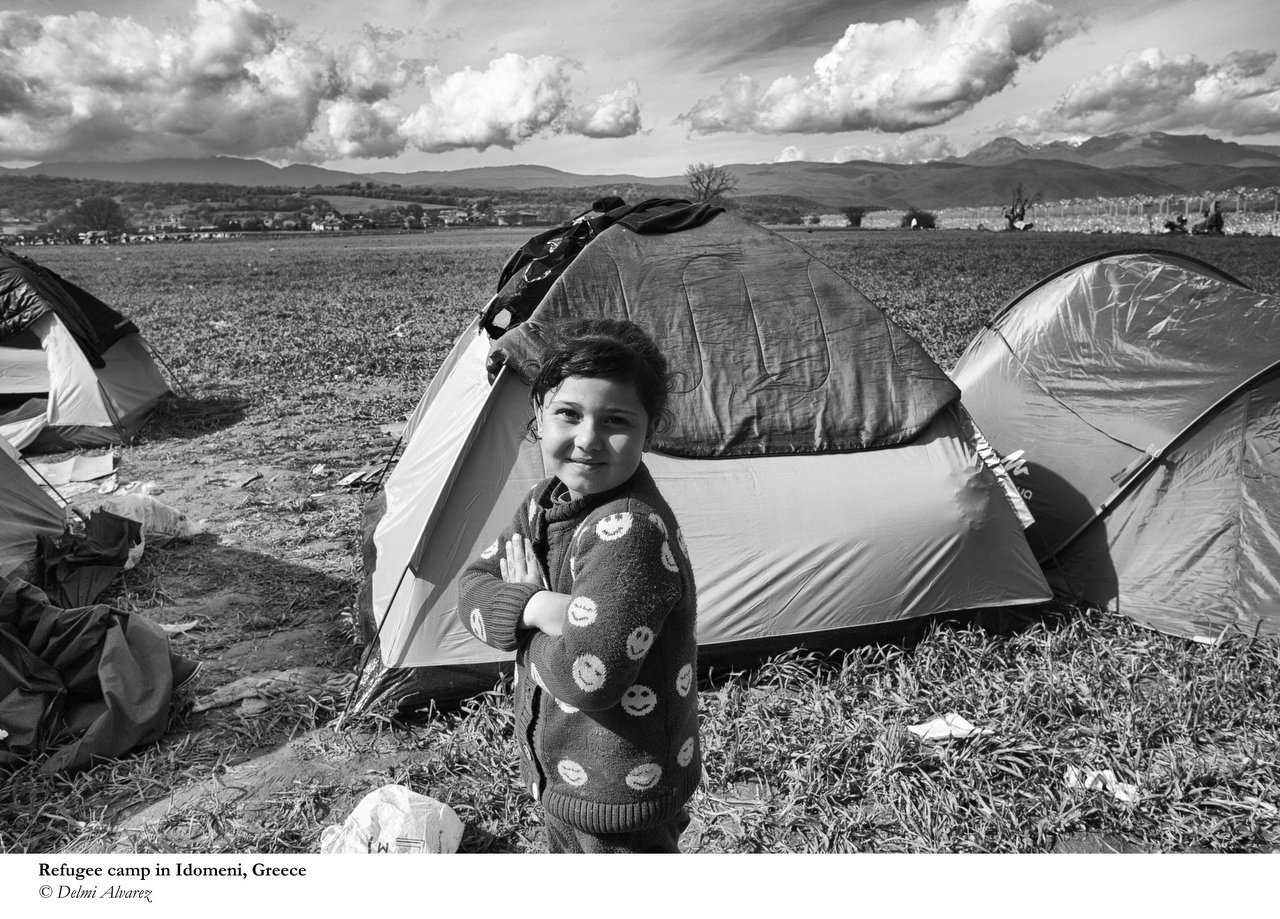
[[178, 227], [105, 220]]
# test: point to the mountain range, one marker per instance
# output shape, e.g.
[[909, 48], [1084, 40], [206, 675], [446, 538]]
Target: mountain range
[[1114, 165]]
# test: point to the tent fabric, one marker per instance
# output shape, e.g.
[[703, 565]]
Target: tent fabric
[[79, 685], [795, 548], [1132, 397], [73, 371], [815, 368], [26, 515], [29, 291]]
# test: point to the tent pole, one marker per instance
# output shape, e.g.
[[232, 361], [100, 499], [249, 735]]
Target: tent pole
[[382, 473], [1138, 473], [368, 651], [165, 364], [66, 505], [110, 406]]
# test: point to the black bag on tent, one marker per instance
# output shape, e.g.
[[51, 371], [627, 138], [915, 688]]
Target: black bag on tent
[[534, 267]]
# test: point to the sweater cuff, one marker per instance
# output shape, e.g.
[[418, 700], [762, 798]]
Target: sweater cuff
[[505, 612]]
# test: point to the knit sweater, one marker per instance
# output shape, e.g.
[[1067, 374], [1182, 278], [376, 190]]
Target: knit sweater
[[607, 713]]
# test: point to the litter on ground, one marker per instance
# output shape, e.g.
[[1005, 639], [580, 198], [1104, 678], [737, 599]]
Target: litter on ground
[[949, 727]]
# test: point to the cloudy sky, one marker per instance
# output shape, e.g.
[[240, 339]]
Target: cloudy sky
[[639, 86]]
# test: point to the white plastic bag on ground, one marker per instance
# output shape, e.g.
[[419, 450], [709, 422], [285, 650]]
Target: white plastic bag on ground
[[394, 819], [159, 521]]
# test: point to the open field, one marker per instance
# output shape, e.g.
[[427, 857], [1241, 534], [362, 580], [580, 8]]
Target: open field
[[293, 351]]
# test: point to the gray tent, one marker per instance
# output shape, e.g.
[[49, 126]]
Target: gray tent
[[825, 477], [26, 514], [1135, 399], [73, 371]]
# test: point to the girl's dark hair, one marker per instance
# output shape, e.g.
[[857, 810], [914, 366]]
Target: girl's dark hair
[[611, 349]]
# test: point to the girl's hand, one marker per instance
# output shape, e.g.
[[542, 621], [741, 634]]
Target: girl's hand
[[545, 612], [520, 566]]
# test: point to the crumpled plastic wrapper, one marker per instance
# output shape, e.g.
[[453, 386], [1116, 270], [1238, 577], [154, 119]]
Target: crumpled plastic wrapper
[[1101, 780], [393, 819], [949, 727]]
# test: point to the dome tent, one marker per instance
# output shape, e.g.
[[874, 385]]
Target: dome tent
[[73, 371], [823, 472], [1135, 399]]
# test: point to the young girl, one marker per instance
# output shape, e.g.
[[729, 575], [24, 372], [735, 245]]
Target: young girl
[[592, 587]]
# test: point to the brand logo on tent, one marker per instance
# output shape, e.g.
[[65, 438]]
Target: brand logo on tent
[[1016, 464]]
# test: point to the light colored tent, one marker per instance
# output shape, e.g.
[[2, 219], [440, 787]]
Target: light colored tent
[[73, 371], [1135, 399], [26, 513], [825, 478]]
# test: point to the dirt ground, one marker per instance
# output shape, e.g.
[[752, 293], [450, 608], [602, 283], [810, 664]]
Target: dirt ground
[[262, 594]]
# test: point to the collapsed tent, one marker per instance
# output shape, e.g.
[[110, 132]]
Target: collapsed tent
[[80, 685], [1135, 399], [825, 476], [73, 371], [26, 514]]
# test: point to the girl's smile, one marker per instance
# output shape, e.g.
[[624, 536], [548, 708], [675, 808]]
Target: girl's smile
[[593, 432]]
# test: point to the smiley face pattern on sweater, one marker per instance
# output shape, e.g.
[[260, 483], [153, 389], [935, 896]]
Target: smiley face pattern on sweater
[[589, 672], [581, 612], [639, 642], [639, 700], [615, 526]]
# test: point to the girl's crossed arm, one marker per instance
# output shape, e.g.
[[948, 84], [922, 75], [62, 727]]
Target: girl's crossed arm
[[490, 604], [627, 578]]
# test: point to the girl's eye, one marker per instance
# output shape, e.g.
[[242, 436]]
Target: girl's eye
[[566, 413]]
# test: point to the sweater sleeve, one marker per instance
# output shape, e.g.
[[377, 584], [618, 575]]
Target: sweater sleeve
[[489, 607], [626, 579]]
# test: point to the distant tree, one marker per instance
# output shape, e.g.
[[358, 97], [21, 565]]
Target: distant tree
[[916, 219], [854, 214], [1015, 215], [709, 183], [100, 213]]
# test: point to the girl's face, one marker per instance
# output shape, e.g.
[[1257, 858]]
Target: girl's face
[[592, 432]]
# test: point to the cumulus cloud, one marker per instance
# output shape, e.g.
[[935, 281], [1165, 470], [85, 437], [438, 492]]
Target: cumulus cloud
[[1152, 91], [615, 114], [243, 81], [791, 154], [512, 100], [357, 130], [909, 148], [893, 76]]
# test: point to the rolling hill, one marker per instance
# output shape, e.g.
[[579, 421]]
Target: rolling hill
[[1110, 166]]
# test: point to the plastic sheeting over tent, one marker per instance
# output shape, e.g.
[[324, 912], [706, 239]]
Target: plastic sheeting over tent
[[808, 544], [73, 371], [1135, 399]]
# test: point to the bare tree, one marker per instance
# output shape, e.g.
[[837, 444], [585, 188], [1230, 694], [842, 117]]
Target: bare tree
[[708, 182], [1015, 215]]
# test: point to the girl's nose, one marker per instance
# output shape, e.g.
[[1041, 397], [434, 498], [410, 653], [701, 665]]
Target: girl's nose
[[587, 437]]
